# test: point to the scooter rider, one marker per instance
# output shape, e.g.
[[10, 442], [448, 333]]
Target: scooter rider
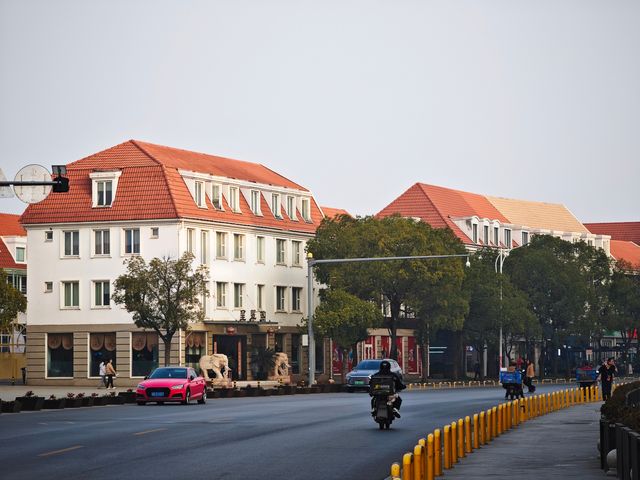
[[385, 371]]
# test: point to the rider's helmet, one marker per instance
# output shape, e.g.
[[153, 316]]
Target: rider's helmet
[[385, 366]]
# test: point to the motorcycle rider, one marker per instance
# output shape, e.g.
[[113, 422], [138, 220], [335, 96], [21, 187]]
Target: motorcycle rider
[[385, 371]]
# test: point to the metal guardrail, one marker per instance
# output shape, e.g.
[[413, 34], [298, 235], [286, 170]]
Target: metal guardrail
[[445, 447]]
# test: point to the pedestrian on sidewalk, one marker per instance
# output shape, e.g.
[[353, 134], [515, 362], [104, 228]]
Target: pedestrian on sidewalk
[[103, 374], [476, 371], [529, 376], [606, 373], [111, 372]]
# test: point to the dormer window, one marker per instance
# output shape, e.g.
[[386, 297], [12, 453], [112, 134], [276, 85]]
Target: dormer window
[[291, 207], [20, 254], [216, 198], [234, 199], [474, 232], [507, 238], [199, 194], [306, 210], [275, 205], [255, 202], [104, 185], [525, 238], [485, 237], [496, 236]]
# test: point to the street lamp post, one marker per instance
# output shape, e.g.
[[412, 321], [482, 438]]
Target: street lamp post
[[311, 263], [501, 257]]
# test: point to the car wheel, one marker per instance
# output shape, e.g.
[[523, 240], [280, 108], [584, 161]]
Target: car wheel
[[142, 403], [187, 398], [203, 399]]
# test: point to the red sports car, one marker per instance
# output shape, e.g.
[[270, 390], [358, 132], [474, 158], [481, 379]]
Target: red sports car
[[172, 384]]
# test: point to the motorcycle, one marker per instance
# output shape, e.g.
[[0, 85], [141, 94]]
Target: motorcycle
[[382, 391]]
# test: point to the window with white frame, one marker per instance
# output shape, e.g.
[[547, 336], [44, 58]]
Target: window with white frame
[[71, 294], [101, 242], [306, 209], [18, 281], [104, 193], [296, 295], [48, 236], [238, 294], [255, 202], [221, 294], [199, 194], [155, 232], [221, 245], [20, 254], [238, 246], [474, 232], [260, 249], [486, 234], [507, 237], [291, 207], [72, 243], [281, 251], [204, 247], [281, 297], [260, 297], [234, 199], [525, 238], [132, 241], [48, 287], [496, 236], [191, 240], [216, 196], [101, 293], [296, 249], [275, 205]]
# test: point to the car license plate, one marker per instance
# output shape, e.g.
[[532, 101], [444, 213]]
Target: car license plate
[[157, 394], [359, 382]]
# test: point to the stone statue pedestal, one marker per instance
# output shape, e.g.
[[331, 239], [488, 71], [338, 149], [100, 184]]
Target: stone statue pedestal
[[280, 372]]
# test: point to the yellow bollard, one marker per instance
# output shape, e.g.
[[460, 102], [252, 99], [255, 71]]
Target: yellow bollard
[[516, 417], [446, 445], [482, 425], [476, 436], [494, 422], [395, 471], [430, 458], [566, 398], [468, 446], [437, 453], [454, 443], [419, 468], [523, 412], [549, 403], [598, 394], [507, 416], [407, 467], [489, 420], [499, 419], [461, 434]]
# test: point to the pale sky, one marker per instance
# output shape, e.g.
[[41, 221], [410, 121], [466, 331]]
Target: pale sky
[[355, 100]]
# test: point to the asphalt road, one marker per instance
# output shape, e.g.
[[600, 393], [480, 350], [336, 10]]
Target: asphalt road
[[321, 436]]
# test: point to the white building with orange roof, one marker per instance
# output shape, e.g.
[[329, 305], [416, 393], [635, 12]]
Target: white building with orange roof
[[247, 223], [625, 239], [13, 261]]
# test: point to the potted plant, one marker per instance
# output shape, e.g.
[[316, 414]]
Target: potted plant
[[10, 407], [213, 393], [262, 362], [72, 401], [30, 401], [112, 399], [129, 396], [53, 403], [85, 401], [250, 391], [97, 400]]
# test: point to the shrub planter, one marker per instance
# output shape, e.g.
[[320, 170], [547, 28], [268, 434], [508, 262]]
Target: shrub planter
[[31, 403], [73, 402], [54, 403], [303, 390], [11, 407], [129, 397], [316, 389], [212, 393], [239, 393], [250, 391], [114, 400], [87, 401], [99, 401]]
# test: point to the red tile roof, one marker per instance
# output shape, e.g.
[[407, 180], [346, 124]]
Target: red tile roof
[[10, 226], [334, 212], [150, 187], [438, 205], [629, 231], [627, 251]]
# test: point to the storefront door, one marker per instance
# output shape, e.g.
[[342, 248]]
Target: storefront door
[[234, 347]]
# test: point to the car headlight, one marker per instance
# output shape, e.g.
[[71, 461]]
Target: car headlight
[[141, 386], [177, 387]]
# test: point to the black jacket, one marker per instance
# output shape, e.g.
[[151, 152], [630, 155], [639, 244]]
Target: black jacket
[[398, 385]]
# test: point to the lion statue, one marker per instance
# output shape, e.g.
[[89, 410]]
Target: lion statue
[[281, 368], [215, 369]]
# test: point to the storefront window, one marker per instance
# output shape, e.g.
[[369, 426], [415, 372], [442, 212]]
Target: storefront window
[[194, 348], [320, 355], [103, 349], [60, 355], [294, 361], [144, 353]]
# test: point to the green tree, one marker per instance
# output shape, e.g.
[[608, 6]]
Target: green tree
[[391, 284], [12, 302], [624, 298], [163, 295], [345, 319]]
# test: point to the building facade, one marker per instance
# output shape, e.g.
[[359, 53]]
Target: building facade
[[248, 224]]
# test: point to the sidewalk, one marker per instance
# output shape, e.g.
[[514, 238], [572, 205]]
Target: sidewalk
[[562, 444]]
